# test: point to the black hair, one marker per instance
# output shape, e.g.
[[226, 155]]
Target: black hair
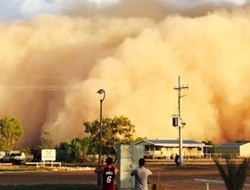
[[141, 162], [109, 160]]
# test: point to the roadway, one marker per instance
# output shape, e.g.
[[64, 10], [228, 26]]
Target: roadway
[[175, 178], [48, 177]]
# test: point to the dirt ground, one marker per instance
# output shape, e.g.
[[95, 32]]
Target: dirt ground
[[175, 178], [165, 174], [184, 178]]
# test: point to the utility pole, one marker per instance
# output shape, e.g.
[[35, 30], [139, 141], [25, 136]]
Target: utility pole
[[180, 124]]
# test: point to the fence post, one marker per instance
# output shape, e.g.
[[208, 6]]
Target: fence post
[[154, 187], [207, 186]]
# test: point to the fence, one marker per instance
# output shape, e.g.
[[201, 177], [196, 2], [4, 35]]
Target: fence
[[195, 156], [208, 181], [37, 164]]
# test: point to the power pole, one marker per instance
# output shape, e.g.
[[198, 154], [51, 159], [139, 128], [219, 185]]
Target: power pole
[[180, 124]]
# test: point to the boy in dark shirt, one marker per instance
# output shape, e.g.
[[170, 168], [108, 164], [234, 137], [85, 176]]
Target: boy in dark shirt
[[108, 173]]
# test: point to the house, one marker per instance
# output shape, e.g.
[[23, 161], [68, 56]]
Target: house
[[169, 148], [233, 150]]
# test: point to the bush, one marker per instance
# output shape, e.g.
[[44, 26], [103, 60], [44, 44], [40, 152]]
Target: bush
[[232, 174]]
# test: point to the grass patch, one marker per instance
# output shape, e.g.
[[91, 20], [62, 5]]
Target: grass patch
[[23, 168], [50, 187]]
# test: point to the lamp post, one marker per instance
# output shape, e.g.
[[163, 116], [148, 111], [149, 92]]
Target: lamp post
[[99, 176]]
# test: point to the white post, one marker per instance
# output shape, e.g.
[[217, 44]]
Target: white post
[[207, 186]]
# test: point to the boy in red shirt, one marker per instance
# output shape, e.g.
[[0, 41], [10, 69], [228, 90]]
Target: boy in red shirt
[[108, 173]]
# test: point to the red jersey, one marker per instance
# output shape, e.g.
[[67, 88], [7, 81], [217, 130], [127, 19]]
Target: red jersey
[[109, 178]]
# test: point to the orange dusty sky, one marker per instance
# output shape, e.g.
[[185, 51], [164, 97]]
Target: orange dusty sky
[[51, 66]]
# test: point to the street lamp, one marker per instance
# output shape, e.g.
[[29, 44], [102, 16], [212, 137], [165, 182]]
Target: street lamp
[[99, 176]]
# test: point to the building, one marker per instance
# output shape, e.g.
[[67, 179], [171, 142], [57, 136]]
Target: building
[[169, 148], [233, 150]]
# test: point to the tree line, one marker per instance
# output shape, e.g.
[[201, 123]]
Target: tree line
[[115, 131], [118, 130]]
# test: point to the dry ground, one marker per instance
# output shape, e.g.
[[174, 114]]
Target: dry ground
[[183, 178], [164, 173]]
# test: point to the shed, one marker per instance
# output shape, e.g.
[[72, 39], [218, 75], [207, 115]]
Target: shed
[[233, 150]]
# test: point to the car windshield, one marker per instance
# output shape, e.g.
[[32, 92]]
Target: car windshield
[[16, 154]]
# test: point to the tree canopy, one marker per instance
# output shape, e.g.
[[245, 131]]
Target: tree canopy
[[74, 151], [11, 131], [118, 130]]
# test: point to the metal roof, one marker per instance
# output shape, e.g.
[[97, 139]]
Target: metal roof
[[230, 145], [172, 143]]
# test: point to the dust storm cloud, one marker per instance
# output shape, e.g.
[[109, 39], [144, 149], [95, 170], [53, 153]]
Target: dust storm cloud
[[52, 66]]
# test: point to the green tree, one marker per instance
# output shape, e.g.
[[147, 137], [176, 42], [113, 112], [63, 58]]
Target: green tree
[[118, 130], [138, 139], [74, 151], [87, 146], [77, 152], [10, 132], [64, 152], [92, 144], [233, 175], [80, 148]]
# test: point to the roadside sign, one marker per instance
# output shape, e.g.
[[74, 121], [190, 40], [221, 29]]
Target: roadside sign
[[48, 154]]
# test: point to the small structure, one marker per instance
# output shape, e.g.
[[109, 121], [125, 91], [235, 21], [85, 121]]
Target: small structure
[[166, 149], [127, 159], [233, 150]]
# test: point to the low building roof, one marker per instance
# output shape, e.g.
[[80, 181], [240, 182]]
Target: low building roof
[[172, 143], [230, 145]]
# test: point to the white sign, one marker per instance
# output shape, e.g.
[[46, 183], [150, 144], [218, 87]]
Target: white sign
[[48, 154]]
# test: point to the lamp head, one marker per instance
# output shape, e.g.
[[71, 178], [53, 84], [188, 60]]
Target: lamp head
[[100, 91]]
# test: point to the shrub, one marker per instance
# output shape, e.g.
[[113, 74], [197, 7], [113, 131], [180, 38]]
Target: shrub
[[234, 175]]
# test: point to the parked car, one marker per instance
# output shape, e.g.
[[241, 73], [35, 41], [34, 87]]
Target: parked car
[[2, 154], [14, 157]]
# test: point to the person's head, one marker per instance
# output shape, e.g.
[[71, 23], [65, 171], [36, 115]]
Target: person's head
[[141, 162], [109, 161], [102, 162]]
